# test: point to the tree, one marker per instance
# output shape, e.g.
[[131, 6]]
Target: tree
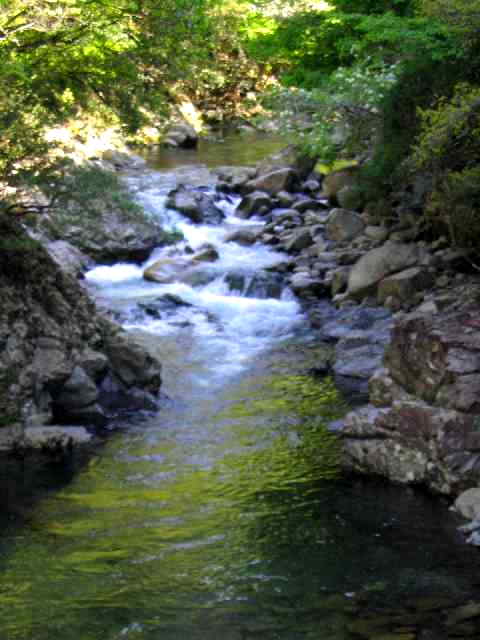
[[57, 56]]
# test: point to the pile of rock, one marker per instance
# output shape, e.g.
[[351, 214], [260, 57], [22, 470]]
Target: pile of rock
[[422, 425], [61, 363]]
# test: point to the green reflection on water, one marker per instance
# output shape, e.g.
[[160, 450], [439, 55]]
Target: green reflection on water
[[150, 540]]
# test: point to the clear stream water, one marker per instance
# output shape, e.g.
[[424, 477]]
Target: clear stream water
[[224, 516]]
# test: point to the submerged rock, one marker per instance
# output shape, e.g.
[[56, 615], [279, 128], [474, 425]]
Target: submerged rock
[[243, 237]]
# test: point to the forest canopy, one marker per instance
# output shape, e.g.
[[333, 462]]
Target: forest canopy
[[360, 73]]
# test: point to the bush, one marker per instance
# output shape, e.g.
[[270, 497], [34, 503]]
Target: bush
[[88, 191], [454, 207], [448, 149]]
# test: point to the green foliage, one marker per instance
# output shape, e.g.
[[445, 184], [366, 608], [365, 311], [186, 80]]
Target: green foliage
[[450, 133], [454, 207], [448, 148], [90, 191], [344, 114], [59, 56], [399, 7]]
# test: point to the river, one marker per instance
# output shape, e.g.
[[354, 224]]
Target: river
[[224, 516]]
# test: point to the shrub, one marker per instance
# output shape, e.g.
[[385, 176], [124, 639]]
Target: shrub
[[454, 207], [448, 149]]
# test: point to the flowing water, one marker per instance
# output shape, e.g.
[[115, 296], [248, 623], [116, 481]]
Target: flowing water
[[225, 515]]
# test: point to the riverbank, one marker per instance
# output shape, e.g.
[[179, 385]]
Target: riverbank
[[388, 290], [420, 424], [226, 513]]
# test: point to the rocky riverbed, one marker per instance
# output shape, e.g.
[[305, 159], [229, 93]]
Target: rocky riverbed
[[225, 512], [404, 326], [396, 314]]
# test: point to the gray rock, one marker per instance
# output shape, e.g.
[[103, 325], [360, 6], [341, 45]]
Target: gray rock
[[381, 262], [337, 180], [181, 135], [253, 203], [376, 233], [69, 258], [308, 204], [206, 253], [78, 392], [285, 199], [281, 216], [292, 157], [198, 277], [404, 285], [305, 286], [264, 285], [165, 270], [299, 240], [357, 358], [133, 365], [274, 182], [196, 205], [343, 225], [55, 439], [234, 178], [468, 504], [94, 363], [50, 333], [311, 186], [243, 237]]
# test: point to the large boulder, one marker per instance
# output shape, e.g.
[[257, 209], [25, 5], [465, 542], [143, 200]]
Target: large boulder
[[437, 358], [256, 203], [165, 270], [108, 236], [194, 204], [233, 178], [412, 442], [69, 258], [274, 182], [381, 262], [343, 225], [291, 157], [181, 135], [403, 286], [424, 425]]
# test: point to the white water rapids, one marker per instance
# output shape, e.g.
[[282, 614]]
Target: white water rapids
[[227, 329]]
